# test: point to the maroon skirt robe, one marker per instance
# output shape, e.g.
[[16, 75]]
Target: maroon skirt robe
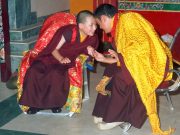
[[124, 104]]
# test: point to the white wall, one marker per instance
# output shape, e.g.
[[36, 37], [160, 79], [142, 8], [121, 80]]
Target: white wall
[[47, 7]]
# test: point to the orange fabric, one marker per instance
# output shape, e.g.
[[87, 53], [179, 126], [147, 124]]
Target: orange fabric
[[78, 5], [74, 100]]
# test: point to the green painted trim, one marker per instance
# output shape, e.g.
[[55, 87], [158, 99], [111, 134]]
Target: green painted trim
[[150, 1], [9, 109], [149, 6], [12, 132]]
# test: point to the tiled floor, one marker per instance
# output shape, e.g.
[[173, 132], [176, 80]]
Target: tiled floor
[[13, 122]]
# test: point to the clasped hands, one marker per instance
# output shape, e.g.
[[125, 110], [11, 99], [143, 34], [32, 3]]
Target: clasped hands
[[101, 58], [98, 56], [65, 60]]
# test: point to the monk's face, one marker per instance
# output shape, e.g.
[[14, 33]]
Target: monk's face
[[104, 23], [89, 26]]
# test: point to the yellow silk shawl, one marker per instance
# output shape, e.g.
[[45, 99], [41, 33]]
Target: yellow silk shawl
[[145, 56]]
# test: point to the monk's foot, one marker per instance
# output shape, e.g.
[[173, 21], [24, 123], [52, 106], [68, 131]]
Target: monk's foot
[[106, 126], [56, 110], [125, 126], [98, 120], [32, 110]]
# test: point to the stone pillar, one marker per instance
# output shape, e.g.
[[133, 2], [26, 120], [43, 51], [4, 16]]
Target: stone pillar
[[20, 14]]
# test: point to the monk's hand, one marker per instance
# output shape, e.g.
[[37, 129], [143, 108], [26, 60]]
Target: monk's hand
[[65, 60], [90, 50], [113, 54], [98, 56]]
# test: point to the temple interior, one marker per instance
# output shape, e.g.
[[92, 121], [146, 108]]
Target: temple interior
[[20, 24]]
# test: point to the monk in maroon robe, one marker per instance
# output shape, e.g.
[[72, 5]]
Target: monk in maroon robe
[[46, 82], [139, 65]]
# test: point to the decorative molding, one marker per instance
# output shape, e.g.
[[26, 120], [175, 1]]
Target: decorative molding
[[158, 5], [162, 1]]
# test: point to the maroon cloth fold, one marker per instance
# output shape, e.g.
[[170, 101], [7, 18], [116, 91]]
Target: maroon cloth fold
[[45, 86]]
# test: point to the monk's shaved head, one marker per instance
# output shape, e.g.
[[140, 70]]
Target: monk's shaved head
[[82, 15]]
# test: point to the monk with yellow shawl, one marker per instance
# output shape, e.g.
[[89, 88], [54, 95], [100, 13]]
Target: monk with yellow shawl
[[138, 66]]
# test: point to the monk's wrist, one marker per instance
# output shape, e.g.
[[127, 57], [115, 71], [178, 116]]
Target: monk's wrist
[[60, 59]]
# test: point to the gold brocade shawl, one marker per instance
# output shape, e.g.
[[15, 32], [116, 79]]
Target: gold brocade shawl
[[145, 56]]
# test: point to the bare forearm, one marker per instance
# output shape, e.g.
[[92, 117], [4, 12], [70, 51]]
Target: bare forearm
[[109, 60], [101, 58], [57, 55]]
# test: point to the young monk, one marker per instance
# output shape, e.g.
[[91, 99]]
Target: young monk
[[46, 82], [138, 66]]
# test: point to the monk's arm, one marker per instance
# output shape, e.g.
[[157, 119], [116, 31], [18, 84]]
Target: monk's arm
[[56, 53], [101, 58]]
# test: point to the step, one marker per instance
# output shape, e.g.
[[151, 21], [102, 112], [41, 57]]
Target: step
[[17, 49], [25, 33], [15, 61], [21, 46]]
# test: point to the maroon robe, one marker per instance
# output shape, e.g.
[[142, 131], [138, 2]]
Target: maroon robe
[[124, 104], [46, 83]]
